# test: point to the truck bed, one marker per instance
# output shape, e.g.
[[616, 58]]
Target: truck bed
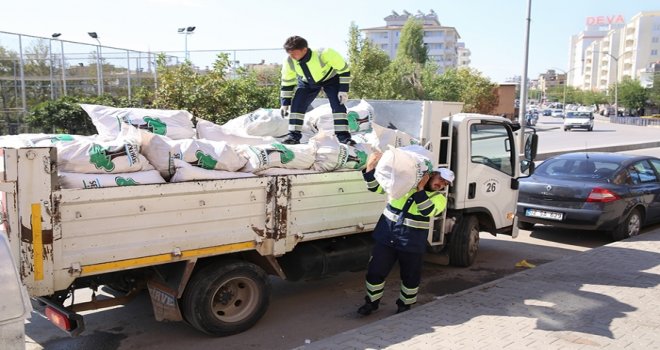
[[69, 233]]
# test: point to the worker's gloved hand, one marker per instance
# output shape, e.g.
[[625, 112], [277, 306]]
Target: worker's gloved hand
[[343, 97], [284, 110]]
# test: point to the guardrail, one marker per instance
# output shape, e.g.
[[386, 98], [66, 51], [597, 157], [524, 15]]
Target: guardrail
[[635, 121]]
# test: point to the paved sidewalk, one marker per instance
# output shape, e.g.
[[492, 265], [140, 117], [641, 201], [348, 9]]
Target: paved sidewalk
[[607, 297]]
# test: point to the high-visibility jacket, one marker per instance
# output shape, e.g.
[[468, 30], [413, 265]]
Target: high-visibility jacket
[[316, 67], [405, 221]]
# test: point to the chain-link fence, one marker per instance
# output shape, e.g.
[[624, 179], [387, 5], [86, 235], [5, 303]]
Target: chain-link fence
[[35, 69]]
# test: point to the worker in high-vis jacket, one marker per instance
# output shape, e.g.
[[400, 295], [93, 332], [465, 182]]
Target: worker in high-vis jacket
[[305, 73], [400, 235]]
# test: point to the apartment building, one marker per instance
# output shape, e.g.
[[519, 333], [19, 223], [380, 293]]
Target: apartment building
[[441, 41], [624, 50], [463, 55]]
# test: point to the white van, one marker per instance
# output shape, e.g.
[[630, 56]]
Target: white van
[[579, 120]]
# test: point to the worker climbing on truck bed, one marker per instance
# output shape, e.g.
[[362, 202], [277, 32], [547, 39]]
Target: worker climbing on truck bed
[[400, 234], [313, 70]]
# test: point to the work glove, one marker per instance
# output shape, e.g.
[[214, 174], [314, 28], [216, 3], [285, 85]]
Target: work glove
[[343, 97], [284, 110]]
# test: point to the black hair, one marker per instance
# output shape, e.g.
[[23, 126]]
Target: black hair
[[295, 43]]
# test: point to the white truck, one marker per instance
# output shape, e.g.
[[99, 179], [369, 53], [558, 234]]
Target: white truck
[[205, 249]]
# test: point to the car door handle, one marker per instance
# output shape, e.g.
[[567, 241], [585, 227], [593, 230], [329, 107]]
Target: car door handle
[[472, 190]]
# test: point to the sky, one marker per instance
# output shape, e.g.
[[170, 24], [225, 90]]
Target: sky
[[493, 30]]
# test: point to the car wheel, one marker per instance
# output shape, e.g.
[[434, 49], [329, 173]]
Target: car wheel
[[226, 297], [525, 225], [629, 227], [464, 242], [565, 129]]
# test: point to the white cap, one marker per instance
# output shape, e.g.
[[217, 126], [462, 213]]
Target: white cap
[[446, 174]]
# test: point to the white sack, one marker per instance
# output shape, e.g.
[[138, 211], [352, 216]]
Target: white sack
[[187, 172], [279, 156], [332, 155], [399, 170], [214, 132], [77, 180], [261, 122], [91, 156], [212, 155], [383, 137], [38, 140], [175, 124], [360, 117]]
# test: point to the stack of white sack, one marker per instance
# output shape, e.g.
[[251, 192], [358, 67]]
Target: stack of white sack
[[175, 124], [185, 171], [161, 151], [277, 155], [93, 162], [38, 140], [320, 119], [234, 136], [400, 169], [332, 155]]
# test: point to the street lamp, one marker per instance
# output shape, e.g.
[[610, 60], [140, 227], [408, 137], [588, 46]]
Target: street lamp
[[186, 31], [50, 63], [99, 66], [56, 36], [616, 81], [565, 83]]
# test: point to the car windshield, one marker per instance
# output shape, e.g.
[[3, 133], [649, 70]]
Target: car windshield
[[584, 168], [578, 115]]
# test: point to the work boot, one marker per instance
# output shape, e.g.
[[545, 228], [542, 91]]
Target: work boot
[[345, 138], [292, 139], [401, 307], [368, 307]]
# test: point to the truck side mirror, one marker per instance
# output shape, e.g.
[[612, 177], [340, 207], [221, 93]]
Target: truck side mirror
[[527, 167], [531, 146]]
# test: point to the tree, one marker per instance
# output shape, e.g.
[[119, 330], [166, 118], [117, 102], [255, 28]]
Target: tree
[[596, 98], [213, 95], [469, 86], [411, 42], [65, 116], [369, 68], [632, 95]]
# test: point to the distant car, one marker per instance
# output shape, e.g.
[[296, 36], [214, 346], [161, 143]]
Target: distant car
[[579, 120], [612, 192], [557, 112], [547, 112]]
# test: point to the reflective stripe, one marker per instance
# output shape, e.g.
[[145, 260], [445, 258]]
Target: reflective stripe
[[296, 121], [406, 222], [408, 301], [344, 80], [372, 184], [341, 128], [291, 65], [375, 291], [286, 94], [424, 205], [409, 291]]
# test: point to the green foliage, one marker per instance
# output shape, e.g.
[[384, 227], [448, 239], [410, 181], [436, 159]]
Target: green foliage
[[469, 86], [631, 94], [213, 95], [589, 98], [64, 115], [369, 68], [411, 42]]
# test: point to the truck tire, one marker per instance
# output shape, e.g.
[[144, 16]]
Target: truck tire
[[464, 242], [226, 298], [528, 226]]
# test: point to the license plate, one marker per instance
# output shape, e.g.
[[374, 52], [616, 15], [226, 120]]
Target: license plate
[[543, 214]]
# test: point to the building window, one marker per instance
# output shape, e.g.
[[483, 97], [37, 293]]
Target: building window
[[434, 46], [654, 52], [655, 40], [383, 47]]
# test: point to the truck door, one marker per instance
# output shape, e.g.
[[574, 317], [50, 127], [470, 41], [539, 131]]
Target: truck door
[[491, 164]]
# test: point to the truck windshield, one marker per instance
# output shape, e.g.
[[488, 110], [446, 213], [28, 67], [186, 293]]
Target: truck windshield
[[491, 145]]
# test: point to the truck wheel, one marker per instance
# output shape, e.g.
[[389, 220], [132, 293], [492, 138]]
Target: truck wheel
[[629, 227], [226, 298], [464, 242]]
